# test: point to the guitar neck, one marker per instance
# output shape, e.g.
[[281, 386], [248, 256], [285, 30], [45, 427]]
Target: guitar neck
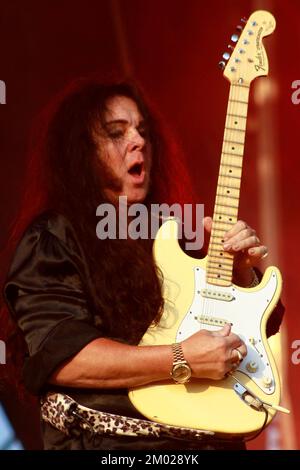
[[225, 215]]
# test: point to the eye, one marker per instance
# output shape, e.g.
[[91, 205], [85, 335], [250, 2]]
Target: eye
[[115, 134]]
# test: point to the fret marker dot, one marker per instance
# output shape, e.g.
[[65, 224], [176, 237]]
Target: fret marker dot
[[232, 148], [228, 192], [230, 171]]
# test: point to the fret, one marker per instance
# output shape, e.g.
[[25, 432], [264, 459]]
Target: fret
[[226, 270], [227, 186], [234, 129], [215, 277], [230, 176], [218, 262], [233, 154], [218, 239], [228, 255], [233, 142], [237, 115], [227, 196], [225, 226], [217, 230], [220, 270], [215, 274], [237, 101], [230, 165], [221, 260], [221, 205], [225, 275]]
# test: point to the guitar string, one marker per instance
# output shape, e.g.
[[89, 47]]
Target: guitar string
[[210, 308]]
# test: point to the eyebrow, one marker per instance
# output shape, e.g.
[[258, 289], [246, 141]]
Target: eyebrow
[[122, 121]]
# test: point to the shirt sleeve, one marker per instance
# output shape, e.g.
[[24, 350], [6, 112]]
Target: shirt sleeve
[[46, 296]]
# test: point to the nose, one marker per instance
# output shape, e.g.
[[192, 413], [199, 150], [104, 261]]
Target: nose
[[136, 141]]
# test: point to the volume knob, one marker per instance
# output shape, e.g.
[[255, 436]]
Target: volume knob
[[252, 366], [267, 381]]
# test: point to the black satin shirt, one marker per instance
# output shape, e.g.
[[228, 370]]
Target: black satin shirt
[[51, 295]]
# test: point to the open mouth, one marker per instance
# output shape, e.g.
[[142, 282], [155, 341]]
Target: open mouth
[[136, 169]]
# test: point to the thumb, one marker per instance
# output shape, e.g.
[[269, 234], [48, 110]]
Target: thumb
[[225, 331], [207, 223]]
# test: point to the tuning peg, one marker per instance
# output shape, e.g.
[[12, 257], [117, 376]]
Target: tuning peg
[[244, 19], [226, 55], [234, 38], [222, 64]]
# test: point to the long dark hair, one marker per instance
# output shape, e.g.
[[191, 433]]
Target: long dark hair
[[63, 175]]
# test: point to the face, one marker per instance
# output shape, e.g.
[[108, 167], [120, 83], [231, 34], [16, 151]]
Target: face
[[125, 151]]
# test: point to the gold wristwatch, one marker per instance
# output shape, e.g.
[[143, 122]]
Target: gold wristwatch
[[181, 371]]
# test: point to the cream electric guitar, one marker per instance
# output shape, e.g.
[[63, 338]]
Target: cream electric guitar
[[200, 293]]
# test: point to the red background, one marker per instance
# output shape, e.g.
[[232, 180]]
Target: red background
[[172, 48]]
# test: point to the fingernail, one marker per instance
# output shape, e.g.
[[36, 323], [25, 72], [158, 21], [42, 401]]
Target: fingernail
[[252, 251], [226, 246], [236, 246]]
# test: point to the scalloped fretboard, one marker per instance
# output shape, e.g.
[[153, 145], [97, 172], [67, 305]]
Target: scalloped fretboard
[[219, 262]]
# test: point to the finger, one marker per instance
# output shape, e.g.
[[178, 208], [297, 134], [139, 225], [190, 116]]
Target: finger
[[242, 235], [259, 252], [236, 356], [243, 243], [234, 342], [243, 350], [207, 223], [238, 227], [225, 331]]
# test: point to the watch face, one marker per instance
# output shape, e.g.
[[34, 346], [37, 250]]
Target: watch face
[[181, 373]]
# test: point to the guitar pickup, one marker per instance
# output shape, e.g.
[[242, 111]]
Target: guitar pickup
[[206, 320], [217, 295]]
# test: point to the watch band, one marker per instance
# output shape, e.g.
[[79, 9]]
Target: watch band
[[181, 370], [178, 356]]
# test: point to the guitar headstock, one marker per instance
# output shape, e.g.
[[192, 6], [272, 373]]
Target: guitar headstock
[[248, 58]]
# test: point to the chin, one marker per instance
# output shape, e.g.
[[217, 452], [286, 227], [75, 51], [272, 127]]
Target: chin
[[137, 196]]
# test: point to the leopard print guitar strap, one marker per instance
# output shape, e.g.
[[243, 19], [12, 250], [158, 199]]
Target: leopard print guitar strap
[[66, 415]]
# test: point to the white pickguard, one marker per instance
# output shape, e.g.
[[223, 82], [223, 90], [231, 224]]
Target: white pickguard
[[245, 311]]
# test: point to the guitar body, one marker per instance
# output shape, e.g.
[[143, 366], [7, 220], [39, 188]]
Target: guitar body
[[192, 304]]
